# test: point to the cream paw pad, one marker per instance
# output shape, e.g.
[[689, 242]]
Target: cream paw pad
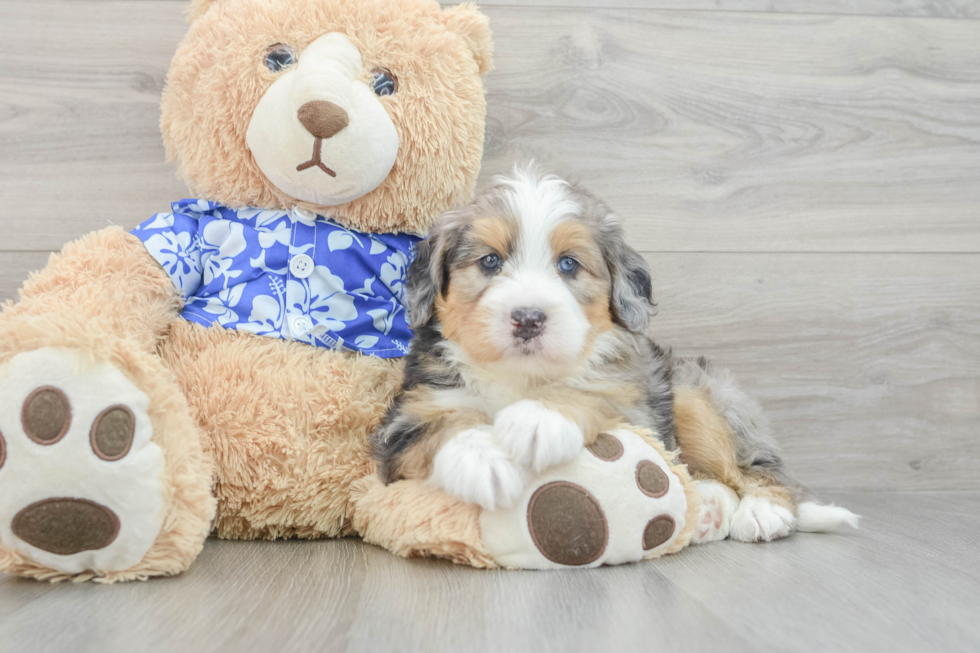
[[621, 500], [79, 477]]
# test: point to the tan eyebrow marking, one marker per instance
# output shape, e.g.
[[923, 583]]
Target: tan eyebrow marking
[[496, 232], [572, 236]]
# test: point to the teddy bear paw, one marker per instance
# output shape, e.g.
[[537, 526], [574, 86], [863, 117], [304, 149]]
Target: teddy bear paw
[[536, 436], [473, 468], [718, 504], [617, 501], [79, 477]]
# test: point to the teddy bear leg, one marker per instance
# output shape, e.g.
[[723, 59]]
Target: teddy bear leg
[[102, 470], [622, 499], [412, 518]]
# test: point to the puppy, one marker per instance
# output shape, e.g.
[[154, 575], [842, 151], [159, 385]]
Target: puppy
[[530, 313]]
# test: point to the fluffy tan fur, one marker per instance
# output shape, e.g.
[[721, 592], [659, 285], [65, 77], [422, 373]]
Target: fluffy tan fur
[[438, 110], [412, 518]]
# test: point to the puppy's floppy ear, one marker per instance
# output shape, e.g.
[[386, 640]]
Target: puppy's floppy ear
[[631, 300], [428, 275]]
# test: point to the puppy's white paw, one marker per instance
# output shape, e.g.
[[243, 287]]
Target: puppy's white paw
[[758, 519], [473, 468], [536, 436], [718, 504]]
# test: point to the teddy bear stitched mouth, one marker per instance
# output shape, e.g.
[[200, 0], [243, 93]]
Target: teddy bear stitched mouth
[[316, 161]]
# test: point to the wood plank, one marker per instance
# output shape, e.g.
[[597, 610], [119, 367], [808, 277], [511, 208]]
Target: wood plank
[[750, 132], [920, 8], [861, 134], [868, 365], [878, 587], [911, 8], [15, 267], [79, 119]]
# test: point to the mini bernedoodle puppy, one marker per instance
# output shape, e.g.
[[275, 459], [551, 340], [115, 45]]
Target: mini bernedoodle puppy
[[530, 313]]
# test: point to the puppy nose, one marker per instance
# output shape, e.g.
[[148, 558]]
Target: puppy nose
[[322, 119], [528, 322]]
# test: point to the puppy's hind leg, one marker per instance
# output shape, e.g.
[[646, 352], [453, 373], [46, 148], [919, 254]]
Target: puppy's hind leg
[[724, 435]]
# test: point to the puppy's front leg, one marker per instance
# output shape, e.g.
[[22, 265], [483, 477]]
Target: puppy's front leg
[[552, 428], [537, 436], [432, 434], [471, 466]]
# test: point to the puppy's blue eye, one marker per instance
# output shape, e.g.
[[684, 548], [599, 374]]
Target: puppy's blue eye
[[280, 57], [490, 262], [567, 264], [383, 82]]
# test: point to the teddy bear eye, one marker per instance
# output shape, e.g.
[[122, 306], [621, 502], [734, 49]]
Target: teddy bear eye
[[279, 57], [383, 83]]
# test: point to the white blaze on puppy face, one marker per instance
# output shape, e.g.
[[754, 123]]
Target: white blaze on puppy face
[[328, 81], [539, 226]]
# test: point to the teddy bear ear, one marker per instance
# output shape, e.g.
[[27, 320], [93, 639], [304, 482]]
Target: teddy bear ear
[[467, 21], [197, 9]]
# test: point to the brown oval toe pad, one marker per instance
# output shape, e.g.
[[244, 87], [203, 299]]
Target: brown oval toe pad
[[112, 433], [46, 415], [652, 480], [658, 530], [65, 526], [606, 447], [3, 451], [567, 524]]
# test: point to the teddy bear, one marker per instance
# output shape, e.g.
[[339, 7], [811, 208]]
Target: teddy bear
[[219, 369]]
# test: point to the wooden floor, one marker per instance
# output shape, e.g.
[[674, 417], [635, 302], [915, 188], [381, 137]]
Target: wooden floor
[[908, 581], [804, 178]]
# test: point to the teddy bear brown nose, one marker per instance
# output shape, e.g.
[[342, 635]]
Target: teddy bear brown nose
[[321, 118]]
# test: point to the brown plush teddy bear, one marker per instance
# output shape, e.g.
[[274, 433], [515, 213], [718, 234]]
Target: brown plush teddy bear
[[220, 369]]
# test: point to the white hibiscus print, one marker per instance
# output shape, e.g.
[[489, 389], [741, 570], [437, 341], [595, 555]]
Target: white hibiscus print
[[393, 273], [223, 305], [276, 235], [266, 317], [322, 297], [221, 242], [179, 256], [384, 319]]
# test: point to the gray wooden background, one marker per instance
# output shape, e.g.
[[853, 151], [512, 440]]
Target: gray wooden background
[[804, 178]]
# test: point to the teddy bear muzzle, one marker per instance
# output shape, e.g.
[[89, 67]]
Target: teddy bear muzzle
[[320, 133]]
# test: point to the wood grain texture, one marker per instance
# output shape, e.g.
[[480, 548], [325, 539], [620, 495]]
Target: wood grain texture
[[706, 130], [15, 267], [750, 132], [868, 365], [920, 8], [906, 581]]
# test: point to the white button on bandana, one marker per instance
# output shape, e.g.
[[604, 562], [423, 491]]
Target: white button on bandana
[[303, 214], [301, 266], [301, 326]]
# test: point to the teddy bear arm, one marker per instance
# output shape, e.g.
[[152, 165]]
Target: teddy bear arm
[[102, 464], [104, 283]]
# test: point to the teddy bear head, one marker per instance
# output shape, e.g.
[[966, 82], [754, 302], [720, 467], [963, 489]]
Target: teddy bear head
[[370, 112]]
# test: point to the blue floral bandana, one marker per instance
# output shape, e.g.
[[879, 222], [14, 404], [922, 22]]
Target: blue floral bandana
[[290, 275]]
